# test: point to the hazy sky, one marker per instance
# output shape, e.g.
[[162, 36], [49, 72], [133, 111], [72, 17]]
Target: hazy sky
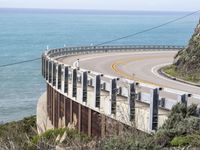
[[177, 5]]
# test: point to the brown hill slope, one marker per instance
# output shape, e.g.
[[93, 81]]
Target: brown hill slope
[[187, 61]]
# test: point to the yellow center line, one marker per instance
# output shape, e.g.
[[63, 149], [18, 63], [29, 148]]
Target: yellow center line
[[115, 68]]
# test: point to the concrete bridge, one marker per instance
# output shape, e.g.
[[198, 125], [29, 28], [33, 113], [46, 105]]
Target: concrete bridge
[[85, 94]]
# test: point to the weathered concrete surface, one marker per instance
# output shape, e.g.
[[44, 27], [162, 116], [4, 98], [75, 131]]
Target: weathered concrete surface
[[142, 110], [43, 122]]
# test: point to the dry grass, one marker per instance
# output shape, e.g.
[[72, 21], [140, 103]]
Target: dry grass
[[182, 129], [172, 71]]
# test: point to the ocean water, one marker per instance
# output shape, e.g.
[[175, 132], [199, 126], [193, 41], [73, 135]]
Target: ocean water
[[24, 34]]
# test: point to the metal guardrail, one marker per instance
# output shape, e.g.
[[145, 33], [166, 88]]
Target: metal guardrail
[[54, 72], [53, 54], [99, 49]]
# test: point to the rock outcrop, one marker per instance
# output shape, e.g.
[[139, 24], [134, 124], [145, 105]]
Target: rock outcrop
[[187, 61]]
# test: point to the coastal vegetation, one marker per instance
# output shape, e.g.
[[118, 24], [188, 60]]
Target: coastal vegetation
[[182, 129], [186, 64], [17, 134]]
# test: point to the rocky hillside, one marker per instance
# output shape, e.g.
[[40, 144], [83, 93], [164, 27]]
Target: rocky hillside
[[187, 61]]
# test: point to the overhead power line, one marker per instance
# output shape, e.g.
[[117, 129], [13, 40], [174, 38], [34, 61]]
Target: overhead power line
[[116, 39], [19, 62], [148, 29]]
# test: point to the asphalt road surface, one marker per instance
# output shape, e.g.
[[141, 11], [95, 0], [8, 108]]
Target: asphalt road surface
[[139, 66]]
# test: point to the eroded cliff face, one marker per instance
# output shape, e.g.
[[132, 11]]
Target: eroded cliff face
[[187, 61]]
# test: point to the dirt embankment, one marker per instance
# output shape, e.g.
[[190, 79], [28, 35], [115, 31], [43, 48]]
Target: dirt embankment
[[187, 61]]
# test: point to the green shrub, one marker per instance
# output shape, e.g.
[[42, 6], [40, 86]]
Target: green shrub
[[181, 141], [121, 143], [171, 70], [192, 110], [193, 140], [177, 73], [180, 129], [163, 137], [17, 133], [52, 134], [180, 124]]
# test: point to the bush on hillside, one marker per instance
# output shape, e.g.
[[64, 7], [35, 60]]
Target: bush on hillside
[[182, 122]]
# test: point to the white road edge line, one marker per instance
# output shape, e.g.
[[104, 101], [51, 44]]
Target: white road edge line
[[115, 54], [154, 70]]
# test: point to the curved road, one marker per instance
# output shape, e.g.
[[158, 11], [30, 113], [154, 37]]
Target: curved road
[[139, 66]]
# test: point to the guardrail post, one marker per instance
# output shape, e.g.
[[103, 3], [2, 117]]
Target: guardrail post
[[54, 73], [162, 102], [74, 83], [63, 78], [66, 79], [50, 72], [46, 69], [113, 95], [84, 86], [59, 76], [131, 101], [90, 82], [153, 118], [97, 90], [43, 65], [183, 99]]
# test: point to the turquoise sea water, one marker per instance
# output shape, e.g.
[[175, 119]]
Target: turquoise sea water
[[24, 34]]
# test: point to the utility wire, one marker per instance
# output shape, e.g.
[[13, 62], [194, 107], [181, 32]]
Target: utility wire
[[149, 29], [19, 62], [117, 39]]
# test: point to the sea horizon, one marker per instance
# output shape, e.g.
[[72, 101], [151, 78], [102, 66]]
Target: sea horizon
[[105, 11]]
